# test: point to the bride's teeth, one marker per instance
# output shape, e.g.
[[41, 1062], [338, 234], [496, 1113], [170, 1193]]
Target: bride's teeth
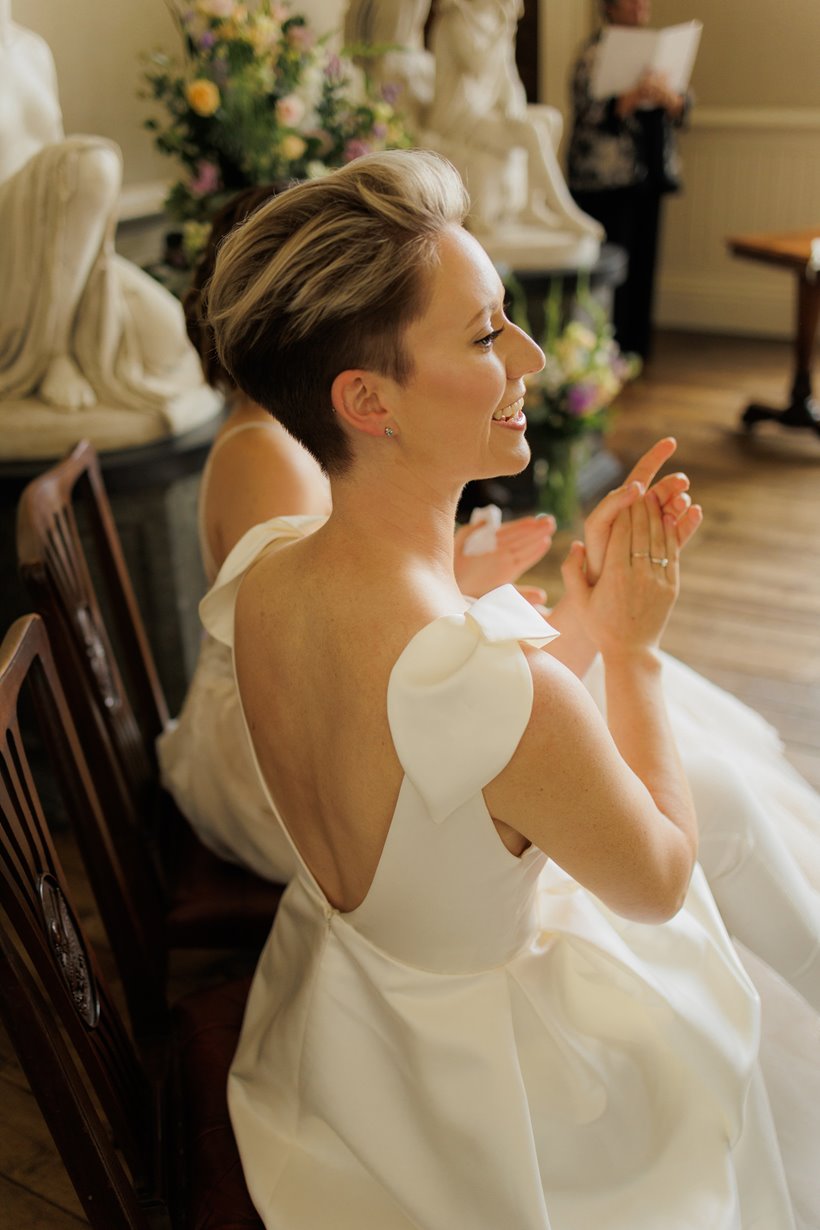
[[509, 412]]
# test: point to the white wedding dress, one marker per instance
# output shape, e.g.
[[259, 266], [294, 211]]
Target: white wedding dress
[[759, 821], [482, 1043]]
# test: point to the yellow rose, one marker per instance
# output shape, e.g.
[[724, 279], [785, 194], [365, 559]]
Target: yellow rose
[[203, 96], [292, 146]]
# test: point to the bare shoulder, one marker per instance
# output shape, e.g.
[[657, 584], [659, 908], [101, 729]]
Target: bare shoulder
[[268, 593], [256, 475]]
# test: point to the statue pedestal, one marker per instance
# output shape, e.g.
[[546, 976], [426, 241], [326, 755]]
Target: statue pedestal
[[153, 491], [602, 277], [517, 495]]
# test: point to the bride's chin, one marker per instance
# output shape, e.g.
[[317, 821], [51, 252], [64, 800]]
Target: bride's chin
[[516, 463]]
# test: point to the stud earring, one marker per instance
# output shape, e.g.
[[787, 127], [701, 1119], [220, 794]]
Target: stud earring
[[388, 431]]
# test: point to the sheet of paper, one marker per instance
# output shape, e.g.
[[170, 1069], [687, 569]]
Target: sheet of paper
[[677, 48], [625, 53]]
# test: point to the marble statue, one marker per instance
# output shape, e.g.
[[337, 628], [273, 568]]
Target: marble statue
[[504, 148], [89, 344], [407, 66], [476, 114]]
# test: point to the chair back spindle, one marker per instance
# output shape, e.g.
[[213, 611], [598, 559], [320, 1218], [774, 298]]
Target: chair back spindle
[[54, 1001]]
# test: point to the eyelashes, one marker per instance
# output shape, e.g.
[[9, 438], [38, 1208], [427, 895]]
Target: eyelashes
[[486, 343]]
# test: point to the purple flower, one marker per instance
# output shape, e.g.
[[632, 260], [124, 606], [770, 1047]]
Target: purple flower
[[207, 40], [333, 68], [355, 148], [581, 399], [206, 179], [390, 92], [379, 131]]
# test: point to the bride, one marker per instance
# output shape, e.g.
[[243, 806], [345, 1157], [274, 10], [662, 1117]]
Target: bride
[[257, 474], [498, 991]]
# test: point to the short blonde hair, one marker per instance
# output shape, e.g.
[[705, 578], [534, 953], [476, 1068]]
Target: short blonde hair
[[326, 277]]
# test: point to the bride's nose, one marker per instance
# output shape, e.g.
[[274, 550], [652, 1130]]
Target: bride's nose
[[524, 356]]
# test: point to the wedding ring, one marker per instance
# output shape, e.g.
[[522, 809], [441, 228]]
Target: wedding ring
[[653, 559]]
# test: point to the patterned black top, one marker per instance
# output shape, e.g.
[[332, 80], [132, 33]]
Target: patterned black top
[[608, 152]]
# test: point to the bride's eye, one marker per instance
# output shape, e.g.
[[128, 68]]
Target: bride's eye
[[486, 343]]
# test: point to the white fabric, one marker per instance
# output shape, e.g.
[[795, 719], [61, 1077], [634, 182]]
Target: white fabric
[[481, 1043], [483, 541], [759, 821], [204, 756]]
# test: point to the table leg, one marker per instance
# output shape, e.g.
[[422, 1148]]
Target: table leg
[[802, 410]]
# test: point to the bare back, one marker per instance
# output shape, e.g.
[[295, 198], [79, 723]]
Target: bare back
[[314, 652]]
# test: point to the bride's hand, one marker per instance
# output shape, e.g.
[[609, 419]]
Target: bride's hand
[[627, 607], [519, 545], [673, 494]]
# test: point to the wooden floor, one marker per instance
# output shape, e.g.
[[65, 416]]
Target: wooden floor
[[748, 618]]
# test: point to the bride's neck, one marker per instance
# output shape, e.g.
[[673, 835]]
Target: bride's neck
[[395, 518]]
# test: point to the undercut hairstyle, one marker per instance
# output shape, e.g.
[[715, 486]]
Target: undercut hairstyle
[[326, 277], [197, 324]]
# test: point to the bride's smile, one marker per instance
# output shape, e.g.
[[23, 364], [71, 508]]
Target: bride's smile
[[469, 363]]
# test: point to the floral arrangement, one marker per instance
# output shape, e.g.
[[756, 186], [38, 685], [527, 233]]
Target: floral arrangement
[[255, 99], [572, 396], [583, 373]]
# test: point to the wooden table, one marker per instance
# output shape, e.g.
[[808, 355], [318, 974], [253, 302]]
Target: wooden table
[[790, 250]]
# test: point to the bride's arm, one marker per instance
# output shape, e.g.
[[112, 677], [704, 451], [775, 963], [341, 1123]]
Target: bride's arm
[[612, 807]]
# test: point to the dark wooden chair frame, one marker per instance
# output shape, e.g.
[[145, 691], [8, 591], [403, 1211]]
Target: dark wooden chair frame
[[122, 1132], [157, 886]]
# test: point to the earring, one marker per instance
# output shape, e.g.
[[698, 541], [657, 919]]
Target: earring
[[388, 431]]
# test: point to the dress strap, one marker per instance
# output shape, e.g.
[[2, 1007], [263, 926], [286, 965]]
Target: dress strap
[[460, 696], [216, 610]]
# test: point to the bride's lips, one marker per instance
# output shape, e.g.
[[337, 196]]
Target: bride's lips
[[511, 416]]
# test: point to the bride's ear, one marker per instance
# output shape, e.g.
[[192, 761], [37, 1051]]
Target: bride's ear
[[358, 401]]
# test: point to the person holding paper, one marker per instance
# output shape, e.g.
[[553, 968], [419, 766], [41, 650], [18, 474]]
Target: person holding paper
[[622, 161]]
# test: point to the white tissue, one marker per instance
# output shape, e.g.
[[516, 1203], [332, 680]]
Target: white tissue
[[482, 542]]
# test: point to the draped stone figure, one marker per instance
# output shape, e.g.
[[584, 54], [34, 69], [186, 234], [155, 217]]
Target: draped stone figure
[[475, 112], [89, 344], [407, 65]]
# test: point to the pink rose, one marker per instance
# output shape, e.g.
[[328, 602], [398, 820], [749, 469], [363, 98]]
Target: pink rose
[[355, 148], [290, 110], [206, 179]]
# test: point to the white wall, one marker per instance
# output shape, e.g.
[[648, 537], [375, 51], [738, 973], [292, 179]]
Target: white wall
[[96, 46], [752, 157], [751, 161]]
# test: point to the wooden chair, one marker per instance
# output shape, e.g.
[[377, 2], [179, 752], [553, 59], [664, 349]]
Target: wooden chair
[[157, 886], [143, 1153]]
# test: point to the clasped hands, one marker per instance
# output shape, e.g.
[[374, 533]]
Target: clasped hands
[[653, 90], [624, 579]]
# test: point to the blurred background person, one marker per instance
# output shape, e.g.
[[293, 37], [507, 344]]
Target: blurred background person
[[622, 161]]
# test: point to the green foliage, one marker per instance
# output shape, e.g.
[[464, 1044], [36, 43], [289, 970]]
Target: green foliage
[[256, 98]]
